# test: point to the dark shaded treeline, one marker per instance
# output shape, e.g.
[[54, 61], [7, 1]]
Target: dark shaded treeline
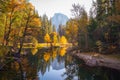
[[100, 31]]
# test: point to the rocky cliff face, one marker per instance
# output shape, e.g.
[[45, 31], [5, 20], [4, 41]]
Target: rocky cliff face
[[59, 19]]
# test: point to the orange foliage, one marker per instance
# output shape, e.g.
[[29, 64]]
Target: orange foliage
[[62, 51], [63, 40], [47, 38], [72, 29], [34, 51], [35, 22], [46, 56]]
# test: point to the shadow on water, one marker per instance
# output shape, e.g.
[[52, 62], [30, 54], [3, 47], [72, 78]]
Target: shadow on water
[[53, 64]]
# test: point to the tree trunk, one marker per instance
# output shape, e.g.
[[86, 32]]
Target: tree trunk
[[4, 41], [9, 28], [24, 34]]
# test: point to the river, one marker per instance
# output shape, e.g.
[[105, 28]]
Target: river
[[54, 64]]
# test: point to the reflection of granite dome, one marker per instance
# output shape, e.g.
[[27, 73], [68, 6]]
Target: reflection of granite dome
[[57, 65]]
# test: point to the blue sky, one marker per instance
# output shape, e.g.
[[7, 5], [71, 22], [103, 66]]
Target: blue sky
[[49, 7]]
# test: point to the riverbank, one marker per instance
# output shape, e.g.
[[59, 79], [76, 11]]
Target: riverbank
[[96, 59], [40, 45]]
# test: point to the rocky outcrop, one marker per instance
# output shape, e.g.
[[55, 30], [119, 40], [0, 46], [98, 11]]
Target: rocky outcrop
[[96, 59]]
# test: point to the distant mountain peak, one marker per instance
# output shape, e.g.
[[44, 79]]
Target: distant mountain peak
[[59, 19], [60, 14]]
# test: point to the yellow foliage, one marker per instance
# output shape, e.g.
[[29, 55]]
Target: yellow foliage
[[54, 33], [34, 51], [16, 5], [31, 7], [72, 27], [47, 38], [36, 22], [63, 40], [62, 51], [35, 42], [55, 39], [46, 56]]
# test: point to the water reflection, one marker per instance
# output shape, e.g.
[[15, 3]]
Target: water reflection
[[46, 56], [62, 51], [34, 51], [54, 64]]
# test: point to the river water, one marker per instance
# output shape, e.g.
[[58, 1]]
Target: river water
[[54, 64]]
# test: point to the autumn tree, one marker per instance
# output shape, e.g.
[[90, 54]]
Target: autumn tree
[[54, 54], [72, 30], [80, 15], [54, 37], [11, 10], [30, 20], [2, 29], [47, 38], [63, 40], [34, 51], [62, 51], [46, 27], [47, 56]]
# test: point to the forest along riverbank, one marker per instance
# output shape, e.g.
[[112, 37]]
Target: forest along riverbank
[[96, 59]]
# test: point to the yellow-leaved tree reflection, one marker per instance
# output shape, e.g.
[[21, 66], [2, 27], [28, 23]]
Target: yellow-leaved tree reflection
[[62, 51], [34, 51], [54, 54], [46, 56]]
